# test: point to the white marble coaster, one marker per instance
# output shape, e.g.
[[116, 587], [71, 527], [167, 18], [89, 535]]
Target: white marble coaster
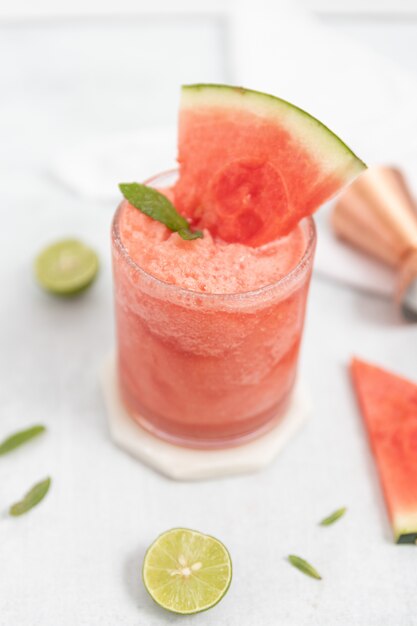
[[181, 463]]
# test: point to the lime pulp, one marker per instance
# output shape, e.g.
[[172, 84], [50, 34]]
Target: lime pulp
[[66, 267], [185, 571]]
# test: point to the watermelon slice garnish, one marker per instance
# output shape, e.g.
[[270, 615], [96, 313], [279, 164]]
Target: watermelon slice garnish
[[389, 407], [252, 165]]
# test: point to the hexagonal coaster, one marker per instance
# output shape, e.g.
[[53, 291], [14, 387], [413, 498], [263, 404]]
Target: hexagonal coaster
[[181, 463]]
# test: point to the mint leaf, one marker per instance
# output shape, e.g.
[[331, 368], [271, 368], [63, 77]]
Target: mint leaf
[[188, 234], [331, 519], [304, 566], [155, 205], [19, 438], [31, 499]]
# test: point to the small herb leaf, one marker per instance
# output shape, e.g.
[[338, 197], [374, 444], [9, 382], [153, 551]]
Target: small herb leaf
[[188, 234], [31, 499], [327, 521], [19, 438], [157, 206], [304, 566]]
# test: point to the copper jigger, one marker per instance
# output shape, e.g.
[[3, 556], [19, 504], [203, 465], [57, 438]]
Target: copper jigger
[[378, 215]]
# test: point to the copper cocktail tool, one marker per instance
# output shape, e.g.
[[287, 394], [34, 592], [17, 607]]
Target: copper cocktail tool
[[378, 215]]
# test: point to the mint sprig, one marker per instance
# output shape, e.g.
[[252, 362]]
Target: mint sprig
[[304, 566], [155, 205], [331, 519], [32, 498], [19, 438]]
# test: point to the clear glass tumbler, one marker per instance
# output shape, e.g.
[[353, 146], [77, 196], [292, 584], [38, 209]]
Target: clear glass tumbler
[[207, 370]]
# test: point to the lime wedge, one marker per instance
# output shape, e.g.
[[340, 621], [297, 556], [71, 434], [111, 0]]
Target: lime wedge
[[187, 572], [66, 267]]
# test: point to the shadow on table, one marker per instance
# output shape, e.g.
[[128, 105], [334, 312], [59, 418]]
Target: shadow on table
[[132, 579], [375, 308], [380, 311]]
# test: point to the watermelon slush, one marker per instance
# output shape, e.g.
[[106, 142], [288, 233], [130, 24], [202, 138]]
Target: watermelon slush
[[208, 331]]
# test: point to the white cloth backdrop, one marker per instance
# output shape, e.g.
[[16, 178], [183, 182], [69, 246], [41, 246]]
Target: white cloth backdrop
[[78, 97], [278, 48]]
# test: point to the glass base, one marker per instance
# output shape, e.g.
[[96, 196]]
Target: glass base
[[185, 463], [208, 437]]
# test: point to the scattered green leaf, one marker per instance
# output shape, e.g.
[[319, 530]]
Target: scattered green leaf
[[157, 206], [31, 499], [19, 438], [327, 521], [304, 566]]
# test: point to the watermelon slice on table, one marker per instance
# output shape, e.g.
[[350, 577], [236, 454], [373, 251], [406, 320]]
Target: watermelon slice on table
[[389, 407], [252, 165]]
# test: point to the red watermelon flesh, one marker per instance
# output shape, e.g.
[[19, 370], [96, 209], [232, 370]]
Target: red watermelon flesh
[[252, 165], [389, 407]]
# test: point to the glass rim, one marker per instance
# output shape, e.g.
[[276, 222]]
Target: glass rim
[[282, 282]]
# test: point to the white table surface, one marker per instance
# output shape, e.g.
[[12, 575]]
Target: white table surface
[[76, 559]]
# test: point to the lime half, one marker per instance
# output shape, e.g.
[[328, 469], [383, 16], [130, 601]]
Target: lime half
[[66, 267], [187, 572]]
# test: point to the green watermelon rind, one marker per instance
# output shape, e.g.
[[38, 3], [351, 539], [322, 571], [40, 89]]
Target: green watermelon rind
[[402, 508], [328, 149], [407, 538], [405, 527]]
